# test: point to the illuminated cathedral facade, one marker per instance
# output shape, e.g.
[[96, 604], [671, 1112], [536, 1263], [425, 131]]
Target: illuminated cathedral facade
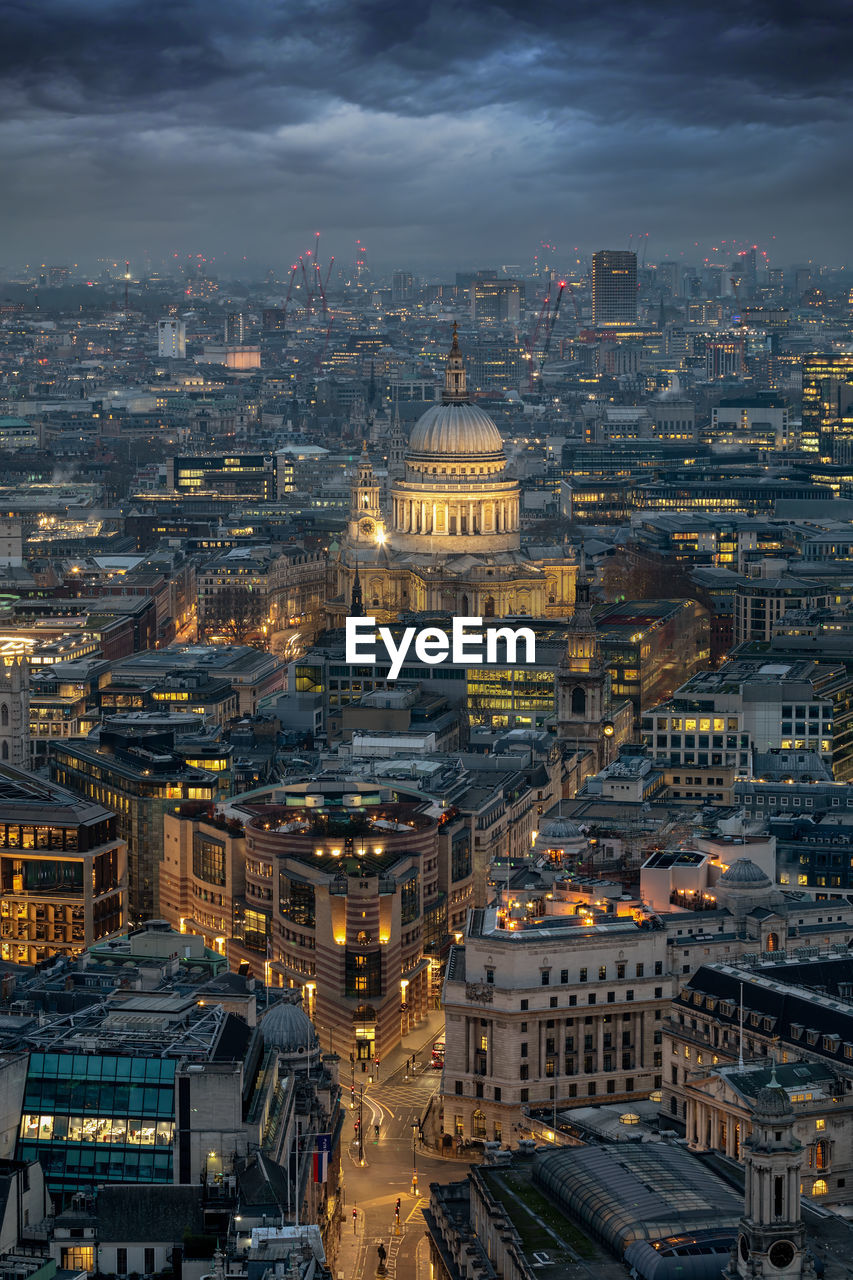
[[450, 540]]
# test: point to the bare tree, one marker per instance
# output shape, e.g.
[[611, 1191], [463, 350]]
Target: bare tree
[[235, 614]]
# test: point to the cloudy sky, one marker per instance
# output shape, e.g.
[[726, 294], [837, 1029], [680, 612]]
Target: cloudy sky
[[438, 133]]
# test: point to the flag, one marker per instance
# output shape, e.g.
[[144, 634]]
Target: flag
[[322, 1151]]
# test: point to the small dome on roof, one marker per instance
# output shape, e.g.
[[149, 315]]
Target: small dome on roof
[[288, 1027], [554, 830], [772, 1102], [745, 873]]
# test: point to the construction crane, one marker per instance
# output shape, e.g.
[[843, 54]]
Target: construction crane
[[309, 296], [293, 272], [550, 323], [531, 342]]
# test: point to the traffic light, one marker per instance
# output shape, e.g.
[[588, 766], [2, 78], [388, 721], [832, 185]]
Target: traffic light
[[397, 1208], [355, 1126]]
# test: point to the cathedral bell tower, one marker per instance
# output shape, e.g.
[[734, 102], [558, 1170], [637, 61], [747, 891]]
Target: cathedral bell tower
[[366, 523], [771, 1236], [455, 390], [397, 446]]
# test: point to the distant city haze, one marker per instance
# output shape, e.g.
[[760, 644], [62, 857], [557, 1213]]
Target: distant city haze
[[438, 135]]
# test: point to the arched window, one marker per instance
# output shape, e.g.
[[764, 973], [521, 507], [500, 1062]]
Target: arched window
[[4, 715], [479, 1125], [772, 942], [578, 701], [820, 1188], [821, 1156], [465, 606], [4, 753], [489, 609]]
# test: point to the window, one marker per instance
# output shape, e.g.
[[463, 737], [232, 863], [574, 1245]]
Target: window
[[410, 900], [641, 968], [459, 1087], [524, 1048], [525, 1095], [497, 1093], [490, 975], [582, 977], [121, 1262], [602, 972], [80, 1257], [546, 977], [149, 1262], [564, 975], [820, 1188]]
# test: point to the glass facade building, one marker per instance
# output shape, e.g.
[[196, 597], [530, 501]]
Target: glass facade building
[[91, 1119]]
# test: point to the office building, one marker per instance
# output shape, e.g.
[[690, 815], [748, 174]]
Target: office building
[[752, 421], [496, 301], [760, 603], [171, 340], [827, 418], [63, 871], [336, 902], [402, 286], [614, 287], [235, 329], [793, 1009], [560, 996], [718, 717], [164, 1087], [140, 776]]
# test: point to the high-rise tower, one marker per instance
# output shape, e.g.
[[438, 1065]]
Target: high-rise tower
[[614, 287]]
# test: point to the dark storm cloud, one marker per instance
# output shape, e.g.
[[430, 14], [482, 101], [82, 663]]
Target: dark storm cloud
[[127, 126]]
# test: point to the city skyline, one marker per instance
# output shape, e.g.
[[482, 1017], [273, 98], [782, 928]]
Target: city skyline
[[136, 131]]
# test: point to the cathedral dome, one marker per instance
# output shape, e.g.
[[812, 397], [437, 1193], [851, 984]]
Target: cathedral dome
[[746, 874], [456, 430]]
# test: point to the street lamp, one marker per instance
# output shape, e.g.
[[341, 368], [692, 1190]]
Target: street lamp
[[415, 1129]]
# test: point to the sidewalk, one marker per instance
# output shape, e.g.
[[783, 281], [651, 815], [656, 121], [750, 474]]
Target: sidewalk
[[416, 1044], [351, 1246]]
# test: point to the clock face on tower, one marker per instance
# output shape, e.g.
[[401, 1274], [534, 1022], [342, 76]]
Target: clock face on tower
[[781, 1254], [366, 528]]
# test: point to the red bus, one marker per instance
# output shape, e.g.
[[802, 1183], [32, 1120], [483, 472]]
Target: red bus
[[438, 1055]]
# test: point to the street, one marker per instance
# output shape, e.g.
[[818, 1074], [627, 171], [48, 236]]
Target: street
[[396, 1105]]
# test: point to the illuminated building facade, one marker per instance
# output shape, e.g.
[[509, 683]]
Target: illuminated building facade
[[337, 901], [496, 301], [614, 287], [202, 876], [453, 541], [140, 778], [63, 871], [827, 419]]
